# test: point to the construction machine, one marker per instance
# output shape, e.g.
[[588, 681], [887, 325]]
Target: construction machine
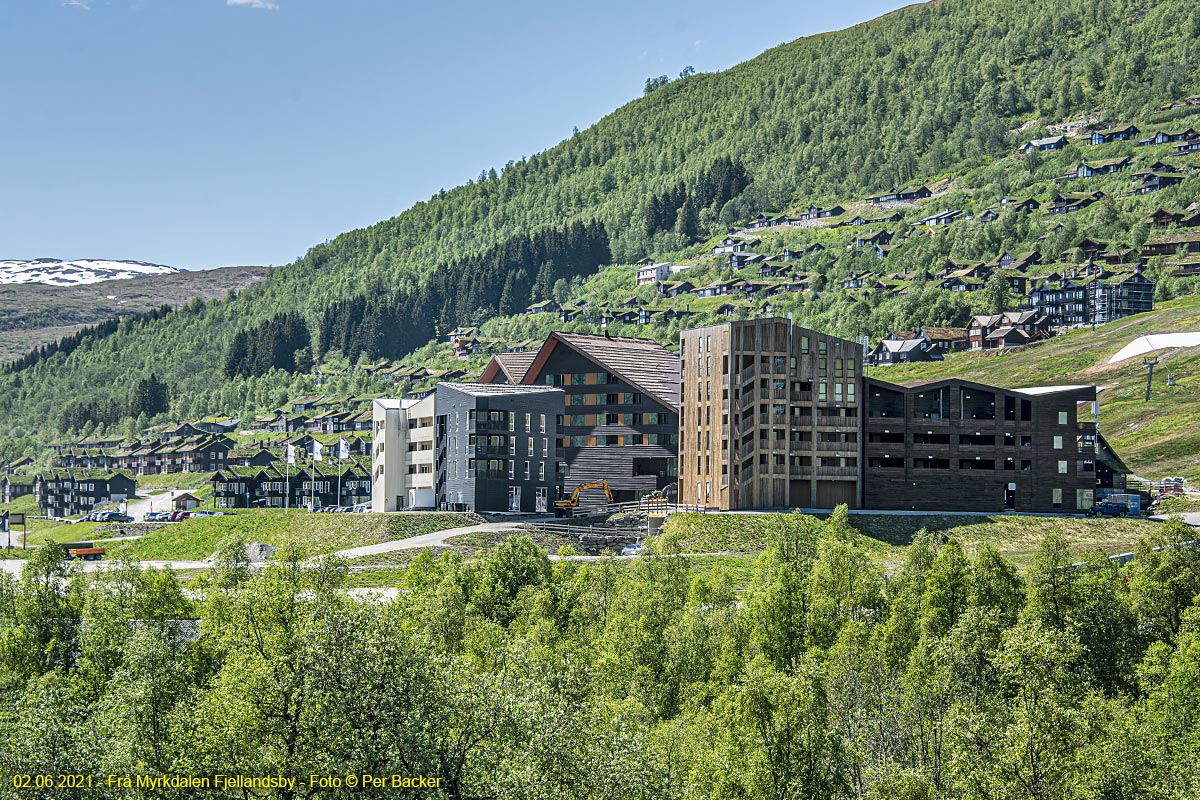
[[566, 507]]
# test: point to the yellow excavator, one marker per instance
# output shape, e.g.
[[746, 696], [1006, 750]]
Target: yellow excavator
[[566, 507]]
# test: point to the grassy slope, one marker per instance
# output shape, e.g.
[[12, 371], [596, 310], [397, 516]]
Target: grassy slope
[[1155, 439], [199, 538], [885, 536]]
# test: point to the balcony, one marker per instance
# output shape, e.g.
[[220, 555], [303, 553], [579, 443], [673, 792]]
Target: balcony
[[838, 447], [488, 450], [836, 472], [488, 474]]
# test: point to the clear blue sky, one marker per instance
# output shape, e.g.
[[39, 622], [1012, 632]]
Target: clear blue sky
[[202, 133]]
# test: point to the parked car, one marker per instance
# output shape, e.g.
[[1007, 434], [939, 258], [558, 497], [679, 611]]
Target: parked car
[[1106, 509], [632, 549]]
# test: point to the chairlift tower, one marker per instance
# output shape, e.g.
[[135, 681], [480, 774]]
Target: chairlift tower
[[1149, 363]]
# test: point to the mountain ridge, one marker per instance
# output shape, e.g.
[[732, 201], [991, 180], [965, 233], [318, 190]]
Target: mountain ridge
[[76, 272]]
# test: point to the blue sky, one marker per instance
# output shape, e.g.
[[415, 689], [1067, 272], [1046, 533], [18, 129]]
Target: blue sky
[[203, 133]]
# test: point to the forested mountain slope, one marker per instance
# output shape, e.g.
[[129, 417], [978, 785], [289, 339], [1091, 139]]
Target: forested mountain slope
[[926, 92]]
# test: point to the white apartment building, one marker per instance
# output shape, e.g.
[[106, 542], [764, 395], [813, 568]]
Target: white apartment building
[[652, 273], [402, 459]]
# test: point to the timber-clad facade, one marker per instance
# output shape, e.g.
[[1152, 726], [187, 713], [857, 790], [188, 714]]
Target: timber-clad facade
[[955, 445], [769, 417]]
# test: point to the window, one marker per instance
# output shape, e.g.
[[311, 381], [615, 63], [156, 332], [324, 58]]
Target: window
[[545, 447], [850, 390], [541, 423], [577, 441], [528, 421], [822, 366], [1062, 420], [512, 470], [530, 450], [1058, 443], [822, 347], [578, 421], [527, 468], [1062, 468], [578, 399], [1056, 497], [1084, 499], [541, 470], [804, 345], [837, 392], [822, 391], [579, 379], [850, 367], [512, 421]]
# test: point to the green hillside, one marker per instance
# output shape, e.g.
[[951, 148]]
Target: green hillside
[[1156, 439], [933, 93]]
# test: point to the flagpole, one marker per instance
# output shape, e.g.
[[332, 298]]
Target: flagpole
[[287, 490], [340, 446]]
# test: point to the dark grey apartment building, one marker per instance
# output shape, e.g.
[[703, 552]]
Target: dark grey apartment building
[[496, 446]]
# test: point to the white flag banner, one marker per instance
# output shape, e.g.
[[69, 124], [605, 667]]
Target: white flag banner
[[291, 454], [343, 449], [316, 451]]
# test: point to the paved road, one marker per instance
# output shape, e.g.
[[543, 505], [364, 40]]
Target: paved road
[[424, 540], [156, 501], [1190, 518]]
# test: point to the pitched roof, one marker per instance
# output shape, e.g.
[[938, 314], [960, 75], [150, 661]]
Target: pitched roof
[[642, 362], [945, 333]]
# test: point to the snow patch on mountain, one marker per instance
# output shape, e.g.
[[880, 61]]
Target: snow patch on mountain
[[54, 272]]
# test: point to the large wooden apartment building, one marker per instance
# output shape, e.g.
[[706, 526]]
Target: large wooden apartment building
[[956, 445], [769, 417], [777, 416]]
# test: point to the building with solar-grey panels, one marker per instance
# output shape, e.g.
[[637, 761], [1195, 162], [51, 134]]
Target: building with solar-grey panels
[[621, 421], [496, 446]]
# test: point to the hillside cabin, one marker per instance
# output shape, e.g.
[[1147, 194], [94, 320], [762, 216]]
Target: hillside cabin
[[900, 195], [1128, 133], [1045, 143]]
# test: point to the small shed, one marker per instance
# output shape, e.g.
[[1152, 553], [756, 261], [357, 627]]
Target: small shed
[[185, 502]]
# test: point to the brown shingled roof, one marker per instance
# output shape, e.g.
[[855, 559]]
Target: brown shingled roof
[[514, 365], [642, 362]]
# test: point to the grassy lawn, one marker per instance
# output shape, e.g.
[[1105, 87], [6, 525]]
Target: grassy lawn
[[885, 535], [739, 533], [199, 537], [1178, 504], [486, 541]]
